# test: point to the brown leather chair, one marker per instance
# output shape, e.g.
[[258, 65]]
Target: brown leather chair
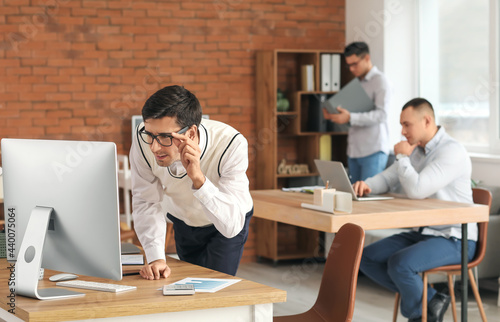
[[337, 291], [483, 197]]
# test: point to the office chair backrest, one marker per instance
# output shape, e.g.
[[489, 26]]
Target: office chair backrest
[[483, 197], [337, 292]]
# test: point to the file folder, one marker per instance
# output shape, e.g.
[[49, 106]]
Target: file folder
[[335, 73], [315, 120], [326, 70]]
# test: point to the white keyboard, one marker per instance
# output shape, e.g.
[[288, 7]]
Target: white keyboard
[[95, 286]]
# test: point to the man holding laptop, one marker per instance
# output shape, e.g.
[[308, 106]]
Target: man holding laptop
[[430, 164], [368, 139]]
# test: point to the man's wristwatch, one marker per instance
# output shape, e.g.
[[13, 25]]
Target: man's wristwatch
[[399, 156]]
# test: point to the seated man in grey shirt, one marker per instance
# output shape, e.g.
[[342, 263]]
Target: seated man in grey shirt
[[430, 164]]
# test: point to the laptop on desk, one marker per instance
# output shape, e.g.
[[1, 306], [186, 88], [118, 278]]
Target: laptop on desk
[[335, 174]]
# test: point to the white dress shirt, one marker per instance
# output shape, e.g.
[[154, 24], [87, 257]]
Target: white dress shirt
[[369, 131], [157, 191], [441, 170]]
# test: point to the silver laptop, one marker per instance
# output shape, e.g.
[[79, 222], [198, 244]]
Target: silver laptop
[[335, 174]]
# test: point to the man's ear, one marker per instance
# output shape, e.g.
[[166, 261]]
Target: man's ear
[[193, 132], [427, 120]]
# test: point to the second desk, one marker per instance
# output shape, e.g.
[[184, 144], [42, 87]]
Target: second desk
[[272, 206]]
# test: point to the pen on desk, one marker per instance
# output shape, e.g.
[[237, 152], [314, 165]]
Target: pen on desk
[[327, 183], [130, 273]]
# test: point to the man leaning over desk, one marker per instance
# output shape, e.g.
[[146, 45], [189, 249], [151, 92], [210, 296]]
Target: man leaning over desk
[[430, 164], [198, 167]]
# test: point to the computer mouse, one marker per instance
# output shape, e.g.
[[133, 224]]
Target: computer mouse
[[62, 277]]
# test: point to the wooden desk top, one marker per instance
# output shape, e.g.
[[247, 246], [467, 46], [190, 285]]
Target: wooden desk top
[[147, 299], [286, 207]]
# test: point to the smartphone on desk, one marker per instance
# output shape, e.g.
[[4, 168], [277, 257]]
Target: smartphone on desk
[[178, 289]]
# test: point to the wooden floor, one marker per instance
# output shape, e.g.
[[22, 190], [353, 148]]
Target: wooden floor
[[301, 280]]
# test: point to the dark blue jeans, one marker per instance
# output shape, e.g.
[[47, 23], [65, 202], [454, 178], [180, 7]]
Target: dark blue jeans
[[396, 261], [207, 247], [366, 167]]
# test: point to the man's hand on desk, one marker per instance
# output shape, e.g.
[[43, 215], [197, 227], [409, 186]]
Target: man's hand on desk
[[361, 188], [155, 270]]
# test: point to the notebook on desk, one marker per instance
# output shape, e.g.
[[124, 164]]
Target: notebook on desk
[[334, 172]]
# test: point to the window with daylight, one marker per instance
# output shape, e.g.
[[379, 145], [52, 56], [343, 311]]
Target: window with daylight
[[455, 50]]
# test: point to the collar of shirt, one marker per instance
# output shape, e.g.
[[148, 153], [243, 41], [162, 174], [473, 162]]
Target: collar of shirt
[[435, 140], [371, 73], [176, 168]]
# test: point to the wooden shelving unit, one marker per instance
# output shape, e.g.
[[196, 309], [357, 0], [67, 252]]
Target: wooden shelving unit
[[289, 135]]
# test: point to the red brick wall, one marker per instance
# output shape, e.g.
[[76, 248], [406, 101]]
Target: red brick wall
[[81, 69]]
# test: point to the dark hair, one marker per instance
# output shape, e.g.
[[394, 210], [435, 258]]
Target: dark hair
[[173, 101], [358, 48], [419, 104]]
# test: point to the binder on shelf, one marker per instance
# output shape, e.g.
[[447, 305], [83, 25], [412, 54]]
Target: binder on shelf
[[335, 73], [315, 120], [325, 147], [308, 78], [326, 71]]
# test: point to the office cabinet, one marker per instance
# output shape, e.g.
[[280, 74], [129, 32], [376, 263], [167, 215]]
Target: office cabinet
[[293, 135]]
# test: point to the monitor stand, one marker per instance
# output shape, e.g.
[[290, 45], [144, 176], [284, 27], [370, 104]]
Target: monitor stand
[[29, 259]]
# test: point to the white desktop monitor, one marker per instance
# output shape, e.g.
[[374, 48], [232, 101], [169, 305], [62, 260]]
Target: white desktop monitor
[[62, 199]]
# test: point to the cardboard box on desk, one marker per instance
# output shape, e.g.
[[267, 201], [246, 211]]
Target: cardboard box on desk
[[330, 200]]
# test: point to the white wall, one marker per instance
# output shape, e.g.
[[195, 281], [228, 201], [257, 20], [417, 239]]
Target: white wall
[[401, 57], [364, 22], [389, 27]]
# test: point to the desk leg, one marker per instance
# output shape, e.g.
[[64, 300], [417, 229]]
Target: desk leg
[[464, 272]]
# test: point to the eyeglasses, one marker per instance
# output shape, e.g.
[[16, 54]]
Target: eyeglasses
[[356, 63], [163, 139]]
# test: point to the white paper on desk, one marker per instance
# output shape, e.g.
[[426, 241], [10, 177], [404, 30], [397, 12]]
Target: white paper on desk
[[209, 285], [302, 189], [133, 259]]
